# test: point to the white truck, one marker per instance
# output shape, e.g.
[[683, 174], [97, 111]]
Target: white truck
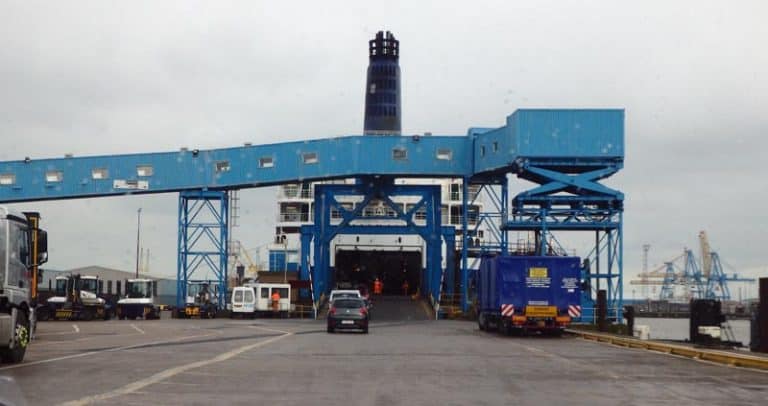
[[23, 247], [139, 300], [256, 298], [80, 300]]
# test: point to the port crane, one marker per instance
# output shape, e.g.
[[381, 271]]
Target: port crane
[[705, 281]]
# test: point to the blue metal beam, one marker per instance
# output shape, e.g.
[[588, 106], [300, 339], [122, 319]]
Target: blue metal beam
[[382, 189], [570, 139], [233, 168]]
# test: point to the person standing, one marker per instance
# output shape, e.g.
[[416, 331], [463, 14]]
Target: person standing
[[275, 301]]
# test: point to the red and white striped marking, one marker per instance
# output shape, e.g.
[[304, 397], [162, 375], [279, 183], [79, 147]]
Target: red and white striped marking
[[507, 310], [574, 310]]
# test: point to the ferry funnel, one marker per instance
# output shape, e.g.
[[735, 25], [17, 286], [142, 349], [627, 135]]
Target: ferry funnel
[[382, 87]]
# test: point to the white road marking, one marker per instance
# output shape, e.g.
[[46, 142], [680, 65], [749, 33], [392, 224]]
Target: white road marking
[[77, 329], [85, 354], [137, 329], [55, 334], [560, 358], [170, 372]]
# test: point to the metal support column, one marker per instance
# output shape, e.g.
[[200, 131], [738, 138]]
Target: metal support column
[[464, 241], [306, 240], [449, 236], [202, 241], [504, 215]]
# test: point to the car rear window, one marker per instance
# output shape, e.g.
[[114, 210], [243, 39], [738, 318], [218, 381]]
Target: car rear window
[[340, 295], [348, 304]]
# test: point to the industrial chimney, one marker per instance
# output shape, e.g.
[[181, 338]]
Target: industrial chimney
[[382, 88]]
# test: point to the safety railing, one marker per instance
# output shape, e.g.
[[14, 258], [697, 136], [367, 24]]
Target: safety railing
[[303, 311], [293, 217], [293, 192], [613, 314]]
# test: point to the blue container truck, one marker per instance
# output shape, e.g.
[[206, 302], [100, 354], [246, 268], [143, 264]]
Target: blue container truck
[[528, 293]]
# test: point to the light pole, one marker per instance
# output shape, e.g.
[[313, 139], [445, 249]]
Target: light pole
[[138, 240]]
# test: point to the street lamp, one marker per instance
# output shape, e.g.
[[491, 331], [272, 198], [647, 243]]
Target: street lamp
[[138, 240]]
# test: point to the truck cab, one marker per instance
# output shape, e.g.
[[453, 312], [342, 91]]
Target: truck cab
[[56, 301], [23, 247], [201, 301], [82, 301], [139, 300]]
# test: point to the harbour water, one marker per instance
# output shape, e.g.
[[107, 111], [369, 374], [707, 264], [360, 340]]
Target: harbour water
[[677, 329]]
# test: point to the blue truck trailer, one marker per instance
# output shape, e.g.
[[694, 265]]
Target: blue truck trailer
[[528, 293]]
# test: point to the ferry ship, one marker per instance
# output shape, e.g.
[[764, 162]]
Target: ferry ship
[[360, 259]]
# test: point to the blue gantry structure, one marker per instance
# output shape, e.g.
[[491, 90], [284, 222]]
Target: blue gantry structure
[[565, 152]]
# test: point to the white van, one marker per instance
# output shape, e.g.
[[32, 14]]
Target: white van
[[255, 298]]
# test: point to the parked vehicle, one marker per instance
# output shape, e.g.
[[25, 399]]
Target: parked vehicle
[[200, 301], [139, 300], [81, 300], [23, 247], [48, 310], [346, 293], [528, 294], [348, 313], [256, 298]]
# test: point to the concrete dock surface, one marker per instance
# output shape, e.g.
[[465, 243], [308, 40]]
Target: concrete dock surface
[[411, 362]]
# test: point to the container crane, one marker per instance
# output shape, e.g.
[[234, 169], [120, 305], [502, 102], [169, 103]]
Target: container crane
[[715, 280]]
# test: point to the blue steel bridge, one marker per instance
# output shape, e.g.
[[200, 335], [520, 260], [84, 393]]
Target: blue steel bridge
[[566, 153]]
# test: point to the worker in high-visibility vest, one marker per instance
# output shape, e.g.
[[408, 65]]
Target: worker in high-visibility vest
[[377, 287], [275, 301]]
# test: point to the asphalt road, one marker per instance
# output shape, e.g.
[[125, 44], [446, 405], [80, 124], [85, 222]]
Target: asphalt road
[[410, 362]]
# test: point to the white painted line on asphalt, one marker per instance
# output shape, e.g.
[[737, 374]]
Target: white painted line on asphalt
[[170, 372], [85, 354], [55, 334], [565, 360], [137, 329], [77, 329]]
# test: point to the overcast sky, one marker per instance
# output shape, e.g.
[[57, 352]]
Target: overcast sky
[[107, 78]]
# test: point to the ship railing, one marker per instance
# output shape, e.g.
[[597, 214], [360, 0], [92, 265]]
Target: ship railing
[[294, 217]]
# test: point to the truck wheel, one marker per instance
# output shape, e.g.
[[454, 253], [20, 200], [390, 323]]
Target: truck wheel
[[505, 328], [21, 336], [482, 322], [86, 315], [43, 314]]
